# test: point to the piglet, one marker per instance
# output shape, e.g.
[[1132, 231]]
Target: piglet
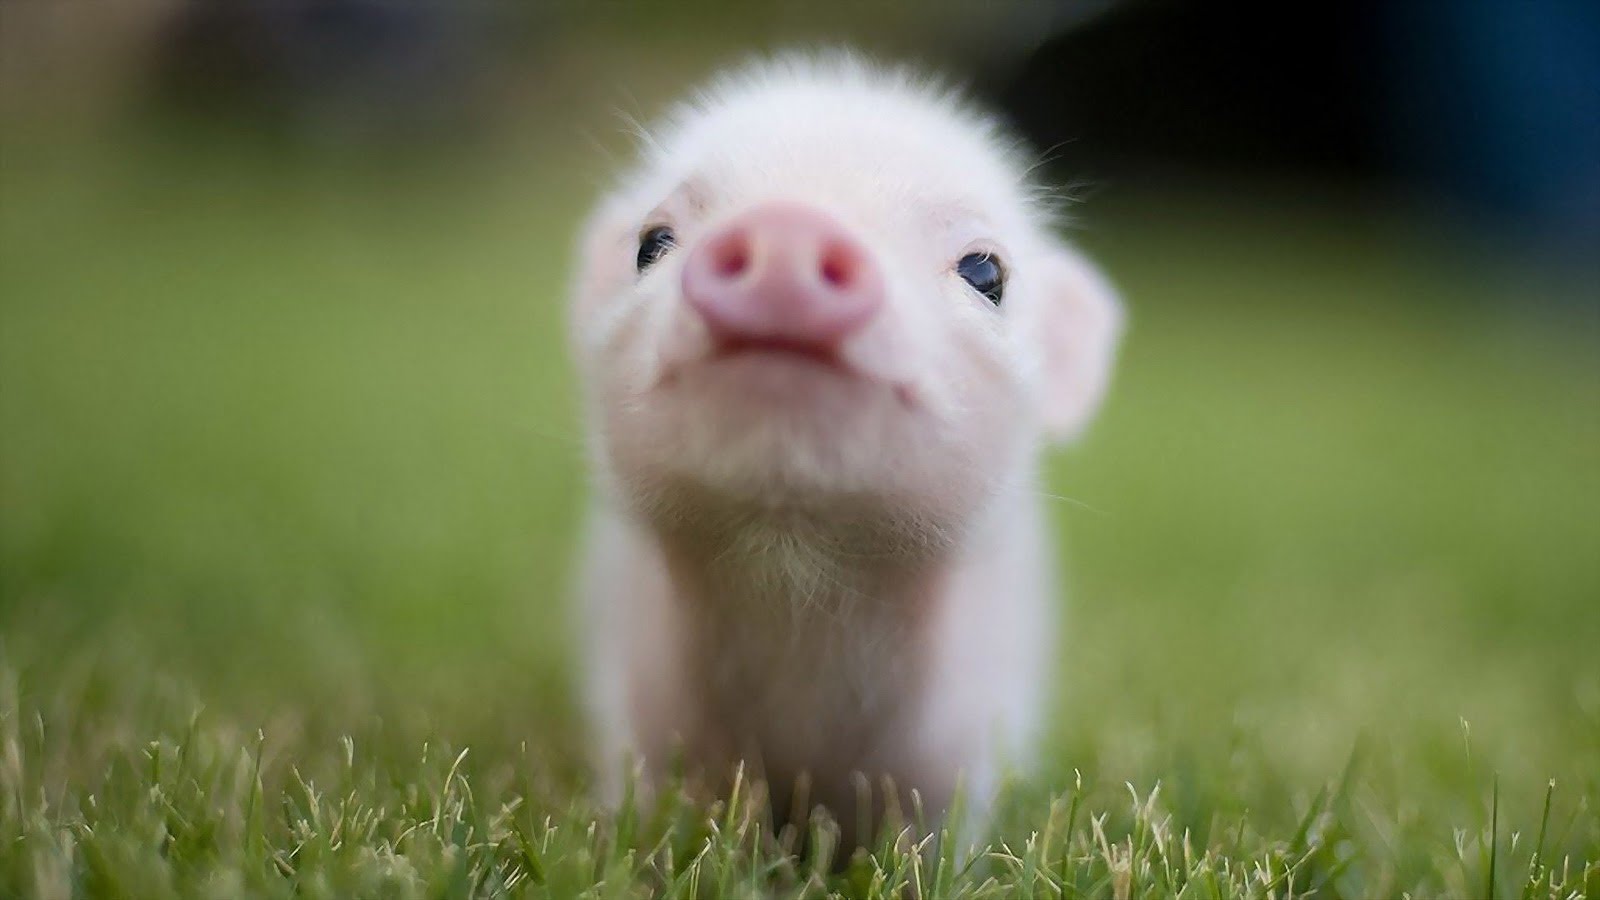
[[824, 331]]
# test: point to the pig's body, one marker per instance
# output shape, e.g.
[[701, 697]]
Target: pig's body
[[818, 547], [760, 647]]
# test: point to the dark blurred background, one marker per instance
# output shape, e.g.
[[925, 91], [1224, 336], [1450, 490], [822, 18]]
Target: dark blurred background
[[1489, 111], [284, 411]]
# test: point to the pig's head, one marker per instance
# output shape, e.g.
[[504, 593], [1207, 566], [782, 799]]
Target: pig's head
[[831, 289]]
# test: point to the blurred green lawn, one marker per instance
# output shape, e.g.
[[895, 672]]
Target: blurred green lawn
[[296, 442]]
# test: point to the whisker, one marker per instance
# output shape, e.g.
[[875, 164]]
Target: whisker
[[573, 447], [1072, 501]]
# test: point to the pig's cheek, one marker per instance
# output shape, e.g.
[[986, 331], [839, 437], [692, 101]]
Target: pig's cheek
[[622, 346], [631, 445], [678, 338], [998, 430], [990, 376]]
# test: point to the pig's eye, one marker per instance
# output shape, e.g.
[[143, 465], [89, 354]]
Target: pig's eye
[[983, 272], [653, 245]]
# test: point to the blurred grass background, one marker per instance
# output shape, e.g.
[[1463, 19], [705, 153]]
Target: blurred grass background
[[289, 434]]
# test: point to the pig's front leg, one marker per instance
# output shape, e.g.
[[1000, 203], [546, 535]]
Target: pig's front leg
[[635, 690]]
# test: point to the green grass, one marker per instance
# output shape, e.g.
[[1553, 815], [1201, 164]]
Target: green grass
[[291, 474]]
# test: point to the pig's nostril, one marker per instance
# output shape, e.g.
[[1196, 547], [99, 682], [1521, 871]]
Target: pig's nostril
[[733, 262], [838, 266], [730, 257]]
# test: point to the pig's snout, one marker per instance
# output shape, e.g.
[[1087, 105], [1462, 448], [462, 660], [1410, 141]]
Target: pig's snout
[[785, 276]]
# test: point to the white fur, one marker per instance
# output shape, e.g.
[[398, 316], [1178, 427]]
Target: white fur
[[808, 572]]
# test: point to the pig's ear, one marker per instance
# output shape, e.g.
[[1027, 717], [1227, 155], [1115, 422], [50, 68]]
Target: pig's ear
[[1081, 325], [605, 255]]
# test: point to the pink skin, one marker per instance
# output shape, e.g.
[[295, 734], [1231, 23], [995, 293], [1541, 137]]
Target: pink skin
[[782, 277], [817, 547]]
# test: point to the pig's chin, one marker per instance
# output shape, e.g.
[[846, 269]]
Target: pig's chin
[[761, 379], [780, 433]]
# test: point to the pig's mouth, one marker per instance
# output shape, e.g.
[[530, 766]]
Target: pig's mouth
[[783, 354], [780, 347]]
